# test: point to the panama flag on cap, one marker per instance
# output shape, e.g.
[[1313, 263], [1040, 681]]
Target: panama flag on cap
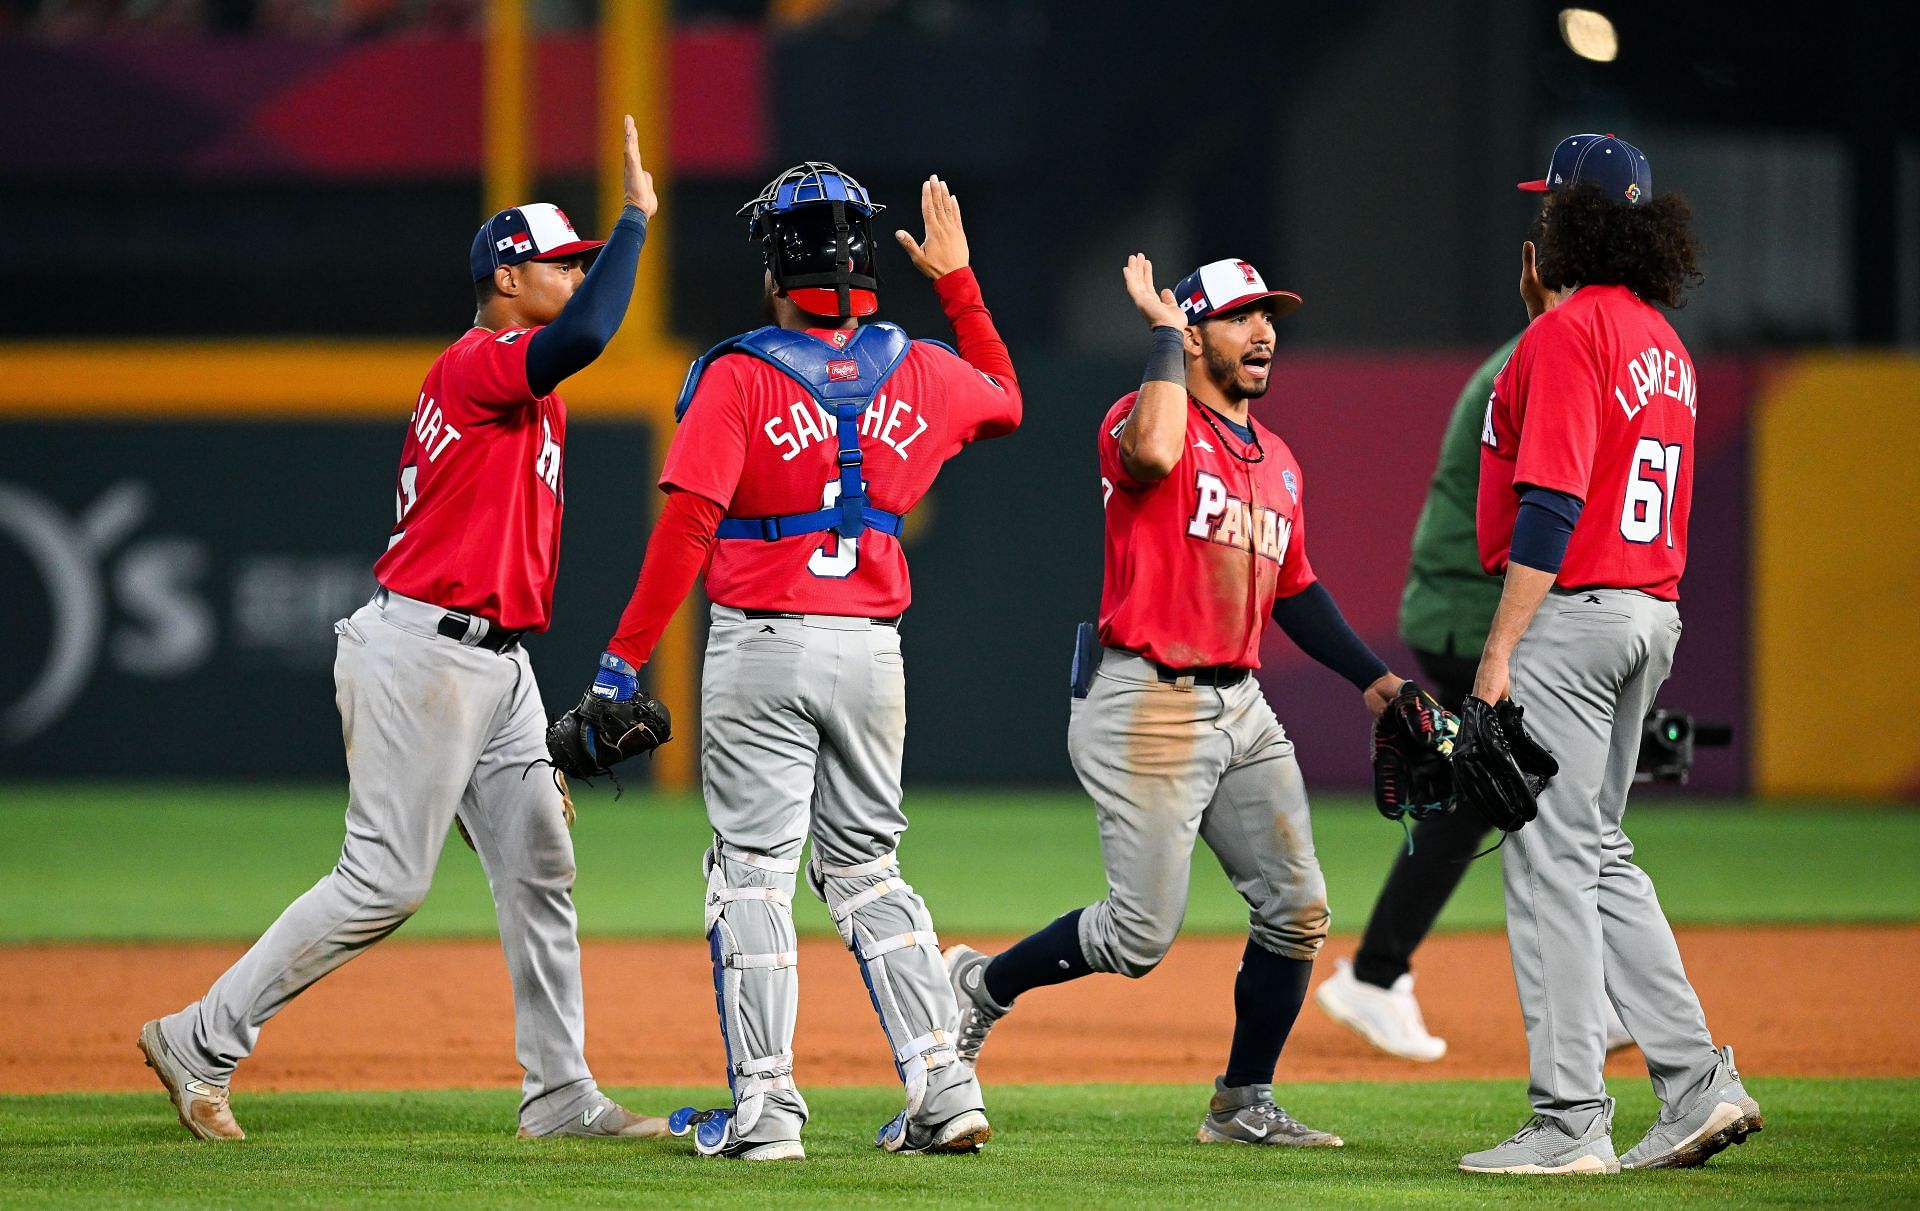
[[538, 231], [1228, 285]]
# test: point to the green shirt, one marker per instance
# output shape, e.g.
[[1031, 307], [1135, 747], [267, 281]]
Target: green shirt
[[1449, 602]]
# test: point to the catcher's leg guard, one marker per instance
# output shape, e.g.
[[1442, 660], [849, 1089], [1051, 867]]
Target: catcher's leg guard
[[749, 918], [891, 935]]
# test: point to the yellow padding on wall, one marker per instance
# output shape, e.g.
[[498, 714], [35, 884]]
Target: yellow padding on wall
[[278, 380], [1836, 578]]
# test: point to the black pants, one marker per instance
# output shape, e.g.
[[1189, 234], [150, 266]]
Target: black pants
[[1422, 881]]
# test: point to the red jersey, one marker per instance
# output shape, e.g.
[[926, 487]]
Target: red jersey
[[480, 491], [1597, 401], [755, 443], [1194, 562]]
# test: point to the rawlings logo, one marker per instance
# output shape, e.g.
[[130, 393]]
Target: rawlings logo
[[843, 371]]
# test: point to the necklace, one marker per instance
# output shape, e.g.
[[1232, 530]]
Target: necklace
[[1206, 414]]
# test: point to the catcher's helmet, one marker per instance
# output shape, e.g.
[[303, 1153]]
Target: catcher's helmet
[[813, 224]]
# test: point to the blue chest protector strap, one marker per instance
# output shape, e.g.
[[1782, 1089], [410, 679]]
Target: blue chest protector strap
[[843, 383]]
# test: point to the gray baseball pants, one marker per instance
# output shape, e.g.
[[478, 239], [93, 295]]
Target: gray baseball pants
[[1165, 762], [802, 728], [1581, 917], [434, 728]]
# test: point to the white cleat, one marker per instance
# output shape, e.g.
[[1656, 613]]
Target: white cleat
[[1389, 1018]]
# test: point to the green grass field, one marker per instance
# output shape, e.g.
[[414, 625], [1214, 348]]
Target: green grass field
[[1059, 1146], [107, 862], [120, 863]]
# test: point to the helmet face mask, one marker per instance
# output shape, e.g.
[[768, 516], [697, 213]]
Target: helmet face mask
[[813, 223]]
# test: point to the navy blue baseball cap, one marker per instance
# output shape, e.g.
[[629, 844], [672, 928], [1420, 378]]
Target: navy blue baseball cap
[[1615, 165], [538, 231], [1222, 286]]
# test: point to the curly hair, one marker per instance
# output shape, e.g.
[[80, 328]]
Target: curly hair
[[1584, 238]]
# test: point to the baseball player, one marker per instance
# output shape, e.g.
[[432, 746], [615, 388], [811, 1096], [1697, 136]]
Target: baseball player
[[437, 698], [1444, 614], [801, 447], [1171, 736], [1586, 481]]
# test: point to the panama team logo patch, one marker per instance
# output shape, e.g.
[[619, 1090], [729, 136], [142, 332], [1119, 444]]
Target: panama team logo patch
[[843, 371], [1292, 485], [517, 243]]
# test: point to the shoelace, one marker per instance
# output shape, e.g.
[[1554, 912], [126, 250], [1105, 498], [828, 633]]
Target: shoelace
[[974, 1024], [1533, 1124], [1275, 1115]]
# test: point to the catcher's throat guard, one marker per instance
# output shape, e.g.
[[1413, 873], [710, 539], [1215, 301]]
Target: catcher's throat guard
[[842, 381]]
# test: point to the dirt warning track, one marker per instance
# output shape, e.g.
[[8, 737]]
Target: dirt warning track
[[1839, 1001]]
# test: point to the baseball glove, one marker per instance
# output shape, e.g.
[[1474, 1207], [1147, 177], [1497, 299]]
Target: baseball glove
[[1497, 767], [599, 733], [1413, 741]]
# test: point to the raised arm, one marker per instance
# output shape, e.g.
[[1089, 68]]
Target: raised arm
[[1156, 432], [944, 257], [587, 323]]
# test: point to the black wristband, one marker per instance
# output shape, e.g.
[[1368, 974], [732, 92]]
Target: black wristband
[[1168, 361]]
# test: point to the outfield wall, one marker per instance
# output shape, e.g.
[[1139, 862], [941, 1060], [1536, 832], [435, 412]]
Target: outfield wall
[[178, 565]]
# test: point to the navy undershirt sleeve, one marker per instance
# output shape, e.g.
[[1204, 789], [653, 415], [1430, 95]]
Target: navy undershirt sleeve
[[1314, 623], [584, 326], [1543, 528]]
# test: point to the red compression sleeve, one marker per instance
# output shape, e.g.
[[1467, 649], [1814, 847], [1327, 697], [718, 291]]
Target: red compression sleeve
[[676, 553], [973, 329]]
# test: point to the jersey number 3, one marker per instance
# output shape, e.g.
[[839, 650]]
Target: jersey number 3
[[837, 557], [1647, 512]]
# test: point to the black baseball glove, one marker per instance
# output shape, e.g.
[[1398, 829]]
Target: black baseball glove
[[1498, 768], [599, 733], [1413, 741]]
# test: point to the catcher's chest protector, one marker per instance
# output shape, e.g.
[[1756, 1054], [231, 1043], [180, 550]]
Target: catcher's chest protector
[[843, 382]]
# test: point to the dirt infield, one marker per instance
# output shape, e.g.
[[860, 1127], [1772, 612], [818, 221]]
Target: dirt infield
[[1825, 1002]]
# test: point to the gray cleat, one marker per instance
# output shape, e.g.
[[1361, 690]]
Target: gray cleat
[[605, 1119], [1247, 1115], [966, 1132], [201, 1105], [1542, 1147], [1723, 1114], [966, 971]]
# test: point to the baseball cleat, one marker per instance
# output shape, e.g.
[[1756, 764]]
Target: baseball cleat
[[1542, 1147], [605, 1119], [1389, 1018], [1724, 1114], [965, 1132], [1247, 1115], [966, 971], [202, 1106], [712, 1132]]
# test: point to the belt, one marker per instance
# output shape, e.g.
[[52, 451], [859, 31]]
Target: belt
[[494, 639], [879, 622], [1212, 674], [469, 629]]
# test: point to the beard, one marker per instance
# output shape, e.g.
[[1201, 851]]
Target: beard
[[1223, 371]]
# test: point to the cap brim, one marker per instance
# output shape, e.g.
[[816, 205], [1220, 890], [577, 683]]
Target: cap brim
[[1533, 186], [574, 249], [1285, 302]]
